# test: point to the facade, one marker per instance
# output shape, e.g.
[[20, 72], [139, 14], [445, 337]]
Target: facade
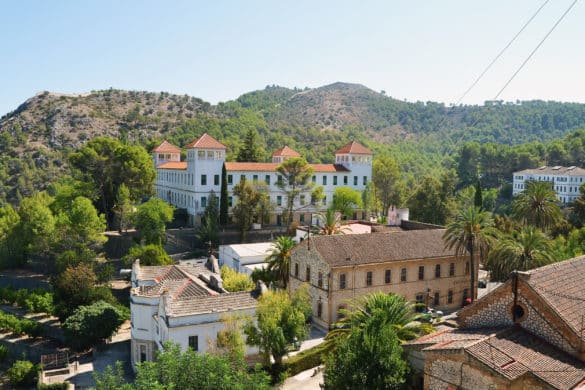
[[565, 180], [183, 304], [526, 334], [412, 263], [244, 258], [188, 184]]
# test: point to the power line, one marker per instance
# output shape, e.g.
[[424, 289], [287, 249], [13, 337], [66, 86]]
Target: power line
[[536, 48]]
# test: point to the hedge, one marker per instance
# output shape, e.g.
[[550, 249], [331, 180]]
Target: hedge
[[308, 358], [20, 326], [34, 301]]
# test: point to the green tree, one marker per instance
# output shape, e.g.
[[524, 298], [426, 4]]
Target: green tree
[[279, 259], [79, 226], [151, 254], [578, 207], [470, 232], [36, 227], [281, 320], [234, 281], [91, 324], [369, 201], [253, 205], [74, 257], [537, 205], [151, 219], [209, 229], [223, 202], [250, 150], [346, 200], [386, 178], [370, 358], [468, 163], [123, 208], [432, 201], [330, 222], [523, 250], [478, 200], [12, 251], [295, 179]]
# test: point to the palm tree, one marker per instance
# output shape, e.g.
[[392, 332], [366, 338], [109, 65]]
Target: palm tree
[[471, 231], [330, 222], [537, 205], [578, 206], [279, 259], [392, 309], [520, 251]]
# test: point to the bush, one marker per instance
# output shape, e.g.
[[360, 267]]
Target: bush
[[13, 324], [22, 373], [53, 386], [4, 352], [307, 359], [151, 254], [34, 301], [234, 281]]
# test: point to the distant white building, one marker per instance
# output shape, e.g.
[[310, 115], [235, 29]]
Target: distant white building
[[245, 258], [183, 304], [564, 180], [188, 184]]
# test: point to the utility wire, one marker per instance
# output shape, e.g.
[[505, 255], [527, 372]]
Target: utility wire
[[536, 48]]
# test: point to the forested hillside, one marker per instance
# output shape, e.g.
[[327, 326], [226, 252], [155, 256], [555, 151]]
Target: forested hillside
[[424, 138]]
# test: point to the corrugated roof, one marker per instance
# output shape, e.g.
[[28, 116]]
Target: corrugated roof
[[206, 142], [286, 152], [556, 170], [167, 147], [182, 165], [354, 147], [346, 250], [271, 167]]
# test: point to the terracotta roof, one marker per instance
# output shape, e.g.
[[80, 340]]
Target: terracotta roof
[[347, 250], [180, 281], [556, 171], [206, 142], [167, 147], [173, 165], [354, 147], [286, 152], [271, 167], [562, 286], [218, 303]]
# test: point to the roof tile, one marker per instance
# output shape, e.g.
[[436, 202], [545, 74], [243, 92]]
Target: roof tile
[[206, 142], [167, 147], [354, 147]]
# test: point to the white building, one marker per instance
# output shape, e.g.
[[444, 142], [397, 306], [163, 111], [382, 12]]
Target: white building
[[564, 180], [183, 304], [188, 184], [245, 258]]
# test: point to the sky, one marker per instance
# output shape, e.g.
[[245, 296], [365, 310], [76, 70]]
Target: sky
[[217, 50]]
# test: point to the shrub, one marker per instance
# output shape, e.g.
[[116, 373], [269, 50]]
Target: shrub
[[10, 323], [234, 281], [307, 359], [22, 373], [53, 386], [4, 352]]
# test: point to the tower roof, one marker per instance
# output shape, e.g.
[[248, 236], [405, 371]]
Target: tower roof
[[354, 147], [206, 142], [166, 147], [286, 152]]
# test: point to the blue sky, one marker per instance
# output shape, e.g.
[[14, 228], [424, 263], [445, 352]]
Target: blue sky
[[414, 50]]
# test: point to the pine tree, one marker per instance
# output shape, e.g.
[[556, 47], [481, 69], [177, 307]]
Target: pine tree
[[250, 151]]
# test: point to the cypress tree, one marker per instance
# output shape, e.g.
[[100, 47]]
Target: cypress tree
[[223, 200], [478, 201]]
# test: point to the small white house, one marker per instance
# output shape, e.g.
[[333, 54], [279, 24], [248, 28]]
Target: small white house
[[245, 257], [183, 304]]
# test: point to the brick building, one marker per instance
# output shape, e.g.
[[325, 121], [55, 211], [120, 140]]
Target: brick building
[[413, 263], [526, 334]]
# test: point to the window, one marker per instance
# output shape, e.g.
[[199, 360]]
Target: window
[[324, 180], [341, 281], [369, 278], [142, 353], [230, 179], [467, 268], [465, 293], [279, 200], [438, 271], [450, 297], [403, 275], [242, 177], [452, 269], [278, 180], [308, 274], [203, 180], [365, 180], [420, 302], [355, 180], [296, 270], [230, 201], [319, 309], [255, 178], [215, 180], [345, 180], [203, 202], [194, 343], [314, 179], [303, 200], [320, 279], [334, 180], [267, 179], [302, 218], [421, 272], [388, 276], [436, 299], [201, 154]]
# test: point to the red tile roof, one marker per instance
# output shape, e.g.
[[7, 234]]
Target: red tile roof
[[173, 165], [354, 147], [206, 142], [167, 147], [287, 152], [271, 167]]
